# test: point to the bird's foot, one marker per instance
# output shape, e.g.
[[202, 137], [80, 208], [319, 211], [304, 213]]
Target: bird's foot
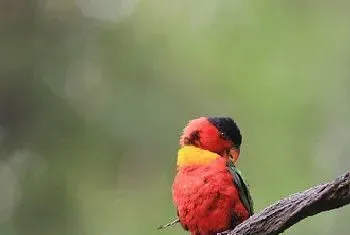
[[224, 232]]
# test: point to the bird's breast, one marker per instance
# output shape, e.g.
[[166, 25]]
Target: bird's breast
[[206, 197]]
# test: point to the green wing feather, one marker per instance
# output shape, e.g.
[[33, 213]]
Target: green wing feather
[[242, 187]]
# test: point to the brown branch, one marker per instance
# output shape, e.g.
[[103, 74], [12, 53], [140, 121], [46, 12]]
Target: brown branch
[[283, 214]]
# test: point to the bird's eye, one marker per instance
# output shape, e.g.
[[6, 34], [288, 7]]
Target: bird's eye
[[222, 134]]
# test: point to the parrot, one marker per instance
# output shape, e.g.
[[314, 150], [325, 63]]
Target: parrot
[[209, 192]]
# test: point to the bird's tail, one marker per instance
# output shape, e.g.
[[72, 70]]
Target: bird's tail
[[168, 224]]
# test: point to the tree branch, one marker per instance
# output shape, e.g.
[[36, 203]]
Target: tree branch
[[283, 214]]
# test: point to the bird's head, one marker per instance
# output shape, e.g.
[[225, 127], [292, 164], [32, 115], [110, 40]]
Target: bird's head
[[219, 135]]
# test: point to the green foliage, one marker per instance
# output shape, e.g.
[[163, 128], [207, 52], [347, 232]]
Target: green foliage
[[94, 96]]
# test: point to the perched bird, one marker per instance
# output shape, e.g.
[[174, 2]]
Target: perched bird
[[208, 191]]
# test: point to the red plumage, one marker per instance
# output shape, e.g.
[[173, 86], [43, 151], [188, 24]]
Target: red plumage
[[207, 199]]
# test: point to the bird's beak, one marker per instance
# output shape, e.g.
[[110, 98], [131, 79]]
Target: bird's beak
[[234, 154]]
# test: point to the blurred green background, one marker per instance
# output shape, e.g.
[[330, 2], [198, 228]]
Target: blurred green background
[[94, 95]]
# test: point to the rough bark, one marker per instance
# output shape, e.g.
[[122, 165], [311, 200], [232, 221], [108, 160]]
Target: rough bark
[[283, 214]]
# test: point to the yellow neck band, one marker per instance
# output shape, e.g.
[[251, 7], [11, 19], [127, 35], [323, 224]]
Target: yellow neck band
[[190, 155]]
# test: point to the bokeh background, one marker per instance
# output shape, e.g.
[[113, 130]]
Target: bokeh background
[[94, 95]]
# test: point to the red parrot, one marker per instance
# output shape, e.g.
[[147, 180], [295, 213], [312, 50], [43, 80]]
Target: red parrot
[[209, 191]]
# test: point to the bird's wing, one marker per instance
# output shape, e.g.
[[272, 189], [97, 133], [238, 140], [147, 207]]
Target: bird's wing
[[242, 187]]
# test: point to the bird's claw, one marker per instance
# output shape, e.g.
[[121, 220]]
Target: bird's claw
[[224, 232]]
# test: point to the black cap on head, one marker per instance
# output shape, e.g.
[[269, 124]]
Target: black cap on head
[[228, 128]]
